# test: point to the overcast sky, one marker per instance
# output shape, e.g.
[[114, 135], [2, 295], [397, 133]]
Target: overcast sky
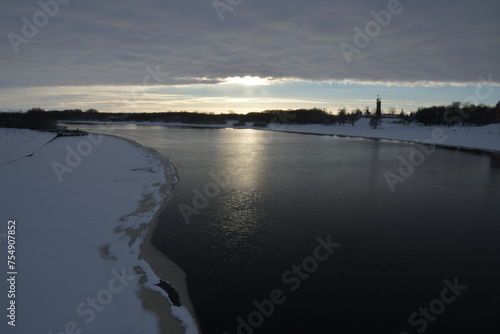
[[179, 55]]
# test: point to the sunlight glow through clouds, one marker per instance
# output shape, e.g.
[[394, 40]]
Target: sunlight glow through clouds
[[248, 81]]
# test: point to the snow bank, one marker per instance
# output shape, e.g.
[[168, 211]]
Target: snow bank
[[82, 207], [483, 138]]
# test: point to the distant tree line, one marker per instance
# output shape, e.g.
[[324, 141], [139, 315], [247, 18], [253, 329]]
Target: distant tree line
[[35, 119], [301, 116], [456, 114]]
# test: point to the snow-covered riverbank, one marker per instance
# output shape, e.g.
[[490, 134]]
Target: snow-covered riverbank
[[82, 208]]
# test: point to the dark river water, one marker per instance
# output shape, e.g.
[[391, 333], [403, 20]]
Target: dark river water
[[291, 233]]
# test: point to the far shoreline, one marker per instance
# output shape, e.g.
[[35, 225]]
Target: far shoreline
[[297, 129]]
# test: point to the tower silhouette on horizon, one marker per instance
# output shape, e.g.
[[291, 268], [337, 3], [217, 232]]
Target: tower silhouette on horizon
[[497, 116], [378, 113]]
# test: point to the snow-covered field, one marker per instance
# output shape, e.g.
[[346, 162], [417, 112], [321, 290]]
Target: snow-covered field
[[78, 206], [482, 138]]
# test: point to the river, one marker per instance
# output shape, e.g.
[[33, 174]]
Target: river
[[292, 233]]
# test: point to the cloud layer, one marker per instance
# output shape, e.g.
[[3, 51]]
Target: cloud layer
[[124, 42]]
